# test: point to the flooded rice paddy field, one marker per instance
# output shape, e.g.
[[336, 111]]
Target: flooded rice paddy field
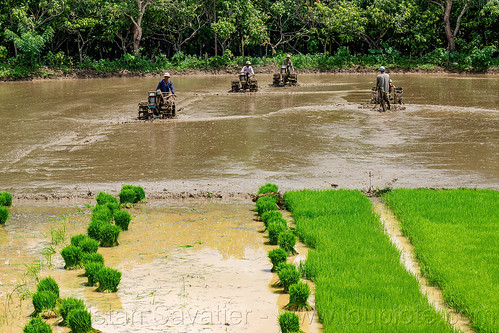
[[78, 136]]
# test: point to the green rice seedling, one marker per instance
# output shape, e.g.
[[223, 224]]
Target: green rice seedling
[[109, 235], [113, 207], [108, 279], [139, 192], [76, 239], [356, 268], [271, 214], [266, 204], [122, 219], [455, 234], [287, 241], [72, 256], [268, 188], [277, 256], [288, 275], [102, 213], [274, 229], [127, 196], [4, 215], [92, 257], [289, 322], [89, 245], [68, 304], [48, 284], [43, 301], [94, 229], [5, 199], [80, 321], [298, 296], [104, 198], [91, 270], [37, 325]]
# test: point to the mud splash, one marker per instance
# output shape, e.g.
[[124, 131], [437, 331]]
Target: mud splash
[[408, 258]]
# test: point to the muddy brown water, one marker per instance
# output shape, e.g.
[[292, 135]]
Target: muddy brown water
[[71, 137]]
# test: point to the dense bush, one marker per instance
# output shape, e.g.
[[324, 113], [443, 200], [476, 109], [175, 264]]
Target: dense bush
[[268, 188], [72, 256], [287, 241], [108, 279], [298, 296], [92, 268], [48, 284], [89, 245], [289, 322], [270, 215], [274, 229], [266, 204], [80, 321], [4, 215], [122, 219], [109, 235], [77, 239], [288, 275], [43, 300], [37, 325], [92, 257], [68, 304], [5, 199], [104, 198], [277, 256]]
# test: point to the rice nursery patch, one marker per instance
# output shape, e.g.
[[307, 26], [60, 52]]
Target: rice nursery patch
[[108, 279], [270, 215], [37, 325], [267, 203], [80, 321], [68, 304], [131, 194], [287, 241], [109, 235], [288, 275], [48, 284], [298, 296], [43, 300], [89, 245], [104, 198], [92, 268], [76, 239], [277, 256], [268, 188], [274, 229], [72, 256], [455, 234], [361, 286], [92, 257], [122, 219], [289, 322]]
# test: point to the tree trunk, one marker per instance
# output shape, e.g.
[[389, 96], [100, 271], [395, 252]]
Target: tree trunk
[[137, 36], [448, 31]]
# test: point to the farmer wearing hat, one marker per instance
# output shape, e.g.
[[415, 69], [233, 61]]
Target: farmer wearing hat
[[383, 87], [166, 86], [288, 63], [248, 69]]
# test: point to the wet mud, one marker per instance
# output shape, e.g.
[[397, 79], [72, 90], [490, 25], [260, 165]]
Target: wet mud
[[408, 259]]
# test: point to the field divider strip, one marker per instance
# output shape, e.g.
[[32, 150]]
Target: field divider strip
[[408, 259]]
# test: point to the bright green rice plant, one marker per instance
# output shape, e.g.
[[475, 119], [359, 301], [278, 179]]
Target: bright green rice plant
[[277, 256], [76, 239], [127, 196], [298, 296], [113, 207], [102, 213], [91, 270], [94, 229], [72, 256], [287, 241], [289, 322], [49, 284], [43, 301], [5, 199], [80, 321], [271, 214], [104, 198], [266, 204], [4, 215], [122, 219], [37, 325], [108, 279], [139, 192], [288, 275], [268, 188], [68, 304], [89, 245], [92, 257], [274, 229], [109, 235]]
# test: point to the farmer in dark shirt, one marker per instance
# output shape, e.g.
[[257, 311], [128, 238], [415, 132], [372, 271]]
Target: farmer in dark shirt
[[166, 85]]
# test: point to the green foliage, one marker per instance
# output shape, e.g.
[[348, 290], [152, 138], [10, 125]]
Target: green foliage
[[126, 196], [277, 256], [108, 279], [44, 300], [122, 219], [298, 296], [30, 44], [481, 59], [102, 213], [274, 229], [104, 198], [5, 199], [287, 241], [269, 215], [94, 229], [80, 321], [288, 275], [92, 257], [89, 245], [267, 188], [109, 235], [289, 322], [77, 239], [265, 204], [91, 270], [72, 256], [48, 284], [68, 304], [37, 325], [4, 215]]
